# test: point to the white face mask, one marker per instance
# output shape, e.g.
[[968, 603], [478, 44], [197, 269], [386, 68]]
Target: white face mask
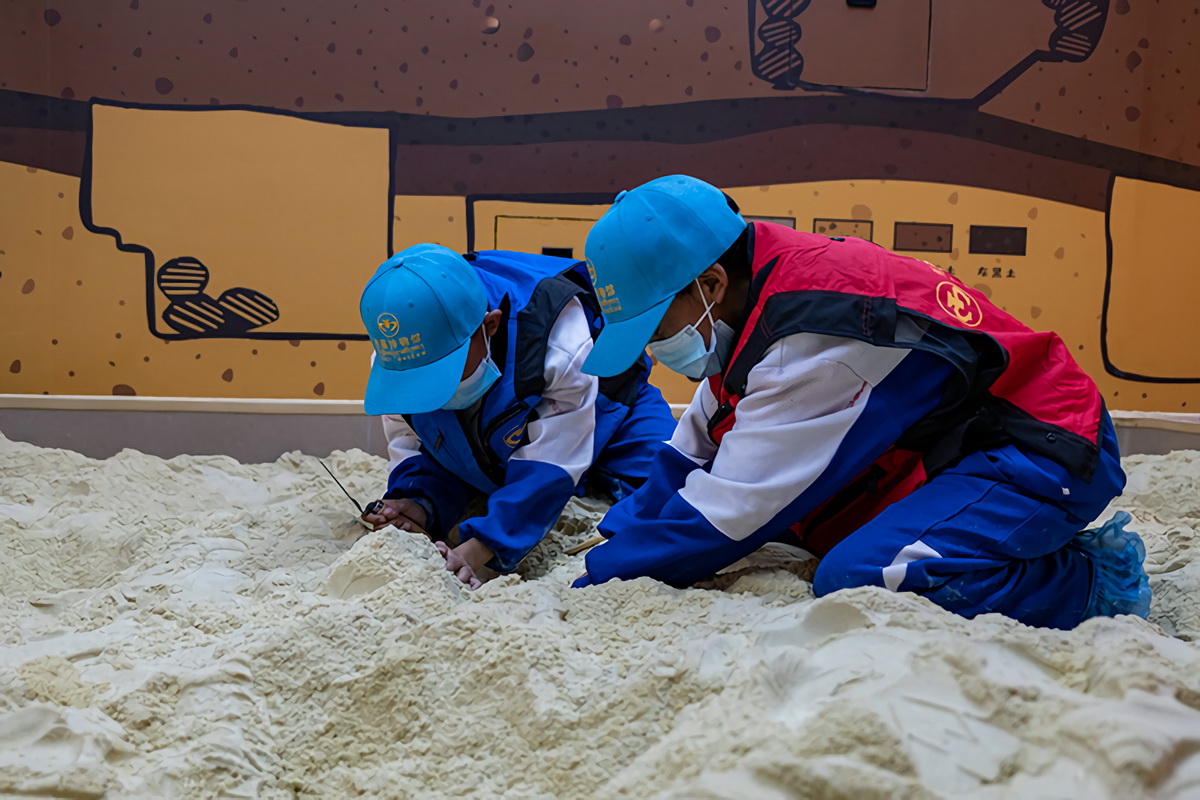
[[472, 388], [688, 354]]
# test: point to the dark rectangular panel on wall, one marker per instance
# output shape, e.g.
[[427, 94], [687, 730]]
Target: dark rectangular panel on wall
[[561, 252], [924, 237], [789, 222], [858, 228], [998, 240]]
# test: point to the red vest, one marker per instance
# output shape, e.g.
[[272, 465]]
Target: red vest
[[1011, 384]]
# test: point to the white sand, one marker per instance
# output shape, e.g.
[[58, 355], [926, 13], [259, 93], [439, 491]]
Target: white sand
[[196, 627]]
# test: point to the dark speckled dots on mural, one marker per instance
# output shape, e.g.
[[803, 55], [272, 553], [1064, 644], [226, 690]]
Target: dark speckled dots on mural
[[1013, 119]]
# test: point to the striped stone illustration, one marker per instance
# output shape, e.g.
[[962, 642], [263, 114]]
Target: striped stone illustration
[[195, 316], [1078, 25], [247, 308], [182, 277], [779, 60], [193, 313]]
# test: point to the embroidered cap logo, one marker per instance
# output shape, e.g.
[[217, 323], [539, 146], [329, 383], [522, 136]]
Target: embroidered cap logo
[[388, 324]]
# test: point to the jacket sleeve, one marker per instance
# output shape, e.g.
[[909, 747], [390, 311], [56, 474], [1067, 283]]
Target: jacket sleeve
[[816, 412], [402, 442], [543, 472], [417, 476], [689, 448]]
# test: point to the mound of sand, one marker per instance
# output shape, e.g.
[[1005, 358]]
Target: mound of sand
[[198, 627]]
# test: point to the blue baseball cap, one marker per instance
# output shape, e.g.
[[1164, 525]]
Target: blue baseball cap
[[651, 243], [420, 309]]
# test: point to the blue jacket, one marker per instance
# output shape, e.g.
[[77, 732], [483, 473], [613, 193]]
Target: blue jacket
[[472, 448]]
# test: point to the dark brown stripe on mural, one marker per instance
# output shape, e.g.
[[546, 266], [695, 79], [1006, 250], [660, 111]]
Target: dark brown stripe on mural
[[793, 155], [794, 139], [55, 151]]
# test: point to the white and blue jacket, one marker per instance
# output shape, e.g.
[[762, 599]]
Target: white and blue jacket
[[528, 444], [817, 411]]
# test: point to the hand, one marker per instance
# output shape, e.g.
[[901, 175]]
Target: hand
[[404, 514], [466, 560]]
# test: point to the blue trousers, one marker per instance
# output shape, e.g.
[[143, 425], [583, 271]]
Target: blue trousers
[[989, 534]]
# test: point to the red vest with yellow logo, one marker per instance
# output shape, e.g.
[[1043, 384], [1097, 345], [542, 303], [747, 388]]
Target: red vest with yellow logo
[[1010, 385]]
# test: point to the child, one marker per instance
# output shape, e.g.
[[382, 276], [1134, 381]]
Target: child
[[477, 373], [910, 433]]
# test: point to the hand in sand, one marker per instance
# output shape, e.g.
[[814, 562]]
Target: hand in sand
[[467, 560], [404, 514]]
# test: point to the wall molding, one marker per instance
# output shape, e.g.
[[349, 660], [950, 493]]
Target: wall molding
[[216, 405], [219, 405]]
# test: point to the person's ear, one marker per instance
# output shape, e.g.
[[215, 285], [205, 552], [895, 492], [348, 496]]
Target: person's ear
[[491, 322], [715, 282]]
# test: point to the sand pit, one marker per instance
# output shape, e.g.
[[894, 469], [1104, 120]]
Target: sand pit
[[198, 627]]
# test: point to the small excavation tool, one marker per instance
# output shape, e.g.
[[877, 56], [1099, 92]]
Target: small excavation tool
[[372, 507], [588, 545]]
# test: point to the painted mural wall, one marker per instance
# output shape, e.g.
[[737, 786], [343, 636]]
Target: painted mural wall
[[193, 193]]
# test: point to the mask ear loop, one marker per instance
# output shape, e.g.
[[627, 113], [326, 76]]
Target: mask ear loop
[[487, 346], [487, 349], [712, 323]]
